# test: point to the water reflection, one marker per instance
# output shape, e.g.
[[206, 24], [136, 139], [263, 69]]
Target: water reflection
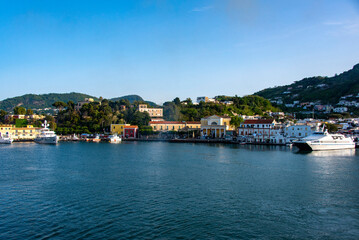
[[328, 153]]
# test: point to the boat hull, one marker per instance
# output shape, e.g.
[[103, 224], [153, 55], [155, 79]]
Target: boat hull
[[47, 140], [308, 146], [115, 140], [6, 141]]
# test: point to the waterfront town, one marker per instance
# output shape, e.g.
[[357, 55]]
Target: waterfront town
[[277, 128]]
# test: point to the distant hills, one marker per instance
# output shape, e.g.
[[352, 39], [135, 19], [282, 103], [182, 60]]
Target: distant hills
[[325, 89], [130, 98], [133, 98], [42, 101]]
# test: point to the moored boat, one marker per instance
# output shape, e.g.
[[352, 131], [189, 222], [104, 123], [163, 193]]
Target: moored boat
[[6, 139], [46, 136], [114, 139], [324, 141], [96, 139], [75, 138]]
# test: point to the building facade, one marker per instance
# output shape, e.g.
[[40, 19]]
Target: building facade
[[257, 130], [215, 126], [153, 112], [298, 131], [19, 133], [164, 126], [130, 132], [205, 99], [79, 105], [118, 128]]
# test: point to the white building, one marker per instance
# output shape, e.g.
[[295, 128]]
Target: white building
[[298, 131], [257, 130], [205, 99], [340, 109]]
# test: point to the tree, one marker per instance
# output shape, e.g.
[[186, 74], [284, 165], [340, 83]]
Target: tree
[[177, 101], [236, 121], [59, 105], [29, 112], [189, 101], [2, 116], [19, 111], [71, 105], [141, 119]]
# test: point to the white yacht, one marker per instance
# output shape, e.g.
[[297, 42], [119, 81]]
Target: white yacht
[[324, 141], [47, 136], [114, 139], [5, 139]]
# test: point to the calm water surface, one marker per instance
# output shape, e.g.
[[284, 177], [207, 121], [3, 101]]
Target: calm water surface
[[190, 191]]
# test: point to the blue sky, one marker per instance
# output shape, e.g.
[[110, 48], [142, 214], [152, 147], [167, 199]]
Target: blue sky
[[161, 49]]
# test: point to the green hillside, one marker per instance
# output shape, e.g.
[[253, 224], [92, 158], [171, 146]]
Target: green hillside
[[134, 98], [325, 89], [41, 101], [131, 98]]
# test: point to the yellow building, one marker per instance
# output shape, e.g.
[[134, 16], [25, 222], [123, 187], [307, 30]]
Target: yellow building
[[173, 125], [193, 125], [118, 128], [22, 133], [215, 126], [6, 130]]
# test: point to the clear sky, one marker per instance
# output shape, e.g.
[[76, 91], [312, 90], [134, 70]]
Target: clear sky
[[162, 49]]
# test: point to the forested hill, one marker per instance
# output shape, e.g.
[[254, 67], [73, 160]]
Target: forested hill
[[41, 101], [325, 89], [132, 99]]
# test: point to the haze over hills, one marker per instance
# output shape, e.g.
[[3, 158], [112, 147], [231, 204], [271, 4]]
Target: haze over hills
[[42, 101], [325, 89]]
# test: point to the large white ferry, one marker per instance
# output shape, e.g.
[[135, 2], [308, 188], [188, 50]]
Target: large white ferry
[[47, 136], [324, 141]]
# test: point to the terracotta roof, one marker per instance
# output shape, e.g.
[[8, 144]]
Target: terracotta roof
[[132, 126], [218, 116], [259, 121], [193, 122]]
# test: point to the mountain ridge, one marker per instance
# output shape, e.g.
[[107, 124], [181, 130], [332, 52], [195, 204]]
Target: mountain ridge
[[41, 101], [327, 90]]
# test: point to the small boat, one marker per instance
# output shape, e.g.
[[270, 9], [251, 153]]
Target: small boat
[[75, 138], [46, 136], [5, 139], [96, 139], [114, 139], [324, 141]]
